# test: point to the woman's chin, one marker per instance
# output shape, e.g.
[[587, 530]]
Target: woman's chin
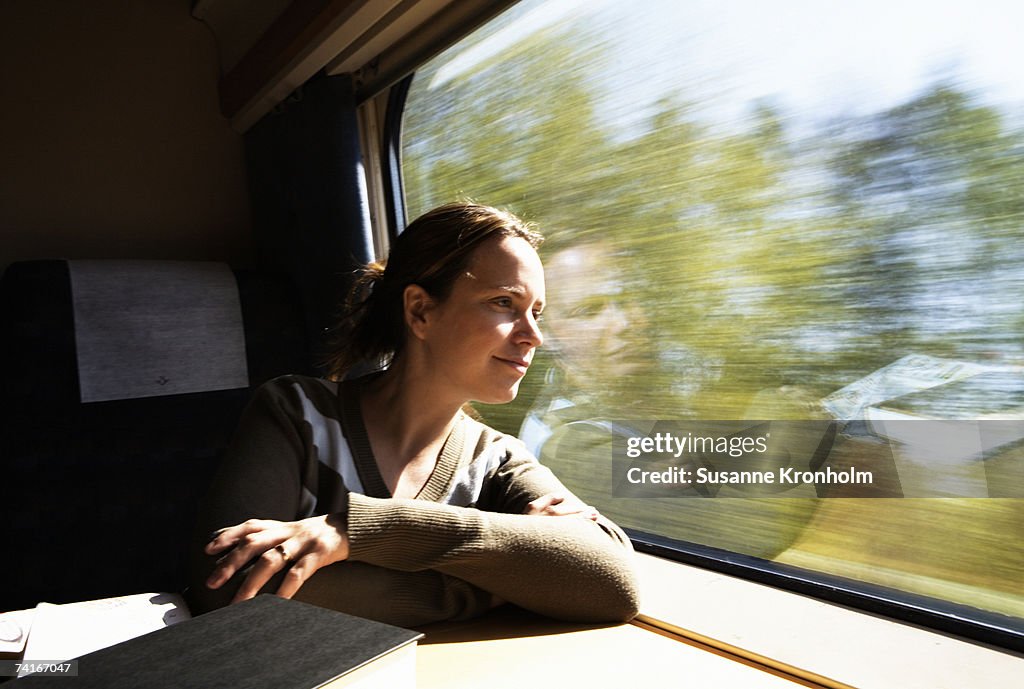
[[502, 396]]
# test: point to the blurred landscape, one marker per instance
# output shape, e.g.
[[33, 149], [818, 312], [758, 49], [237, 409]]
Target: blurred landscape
[[716, 252]]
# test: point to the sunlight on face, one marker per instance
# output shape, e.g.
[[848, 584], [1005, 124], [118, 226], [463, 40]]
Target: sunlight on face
[[483, 337]]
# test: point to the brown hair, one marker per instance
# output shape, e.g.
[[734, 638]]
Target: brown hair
[[432, 252]]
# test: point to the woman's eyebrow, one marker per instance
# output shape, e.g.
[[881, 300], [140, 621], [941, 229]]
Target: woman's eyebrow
[[514, 289], [517, 290]]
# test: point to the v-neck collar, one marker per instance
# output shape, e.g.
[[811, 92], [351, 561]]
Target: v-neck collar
[[440, 479]]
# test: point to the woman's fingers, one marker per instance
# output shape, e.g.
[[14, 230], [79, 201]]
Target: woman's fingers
[[558, 505], [326, 543], [228, 537], [581, 510], [297, 575], [298, 548], [544, 503], [247, 541], [280, 557]]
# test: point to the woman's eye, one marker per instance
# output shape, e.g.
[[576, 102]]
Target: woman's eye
[[504, 302], [538, 316]]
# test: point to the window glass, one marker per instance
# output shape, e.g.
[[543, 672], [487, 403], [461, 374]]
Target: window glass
[[760, 213]]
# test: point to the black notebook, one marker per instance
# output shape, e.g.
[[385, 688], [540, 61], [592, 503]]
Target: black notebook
[[266, 642]]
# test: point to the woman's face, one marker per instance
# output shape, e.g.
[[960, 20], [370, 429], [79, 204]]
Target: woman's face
[[482, 338]]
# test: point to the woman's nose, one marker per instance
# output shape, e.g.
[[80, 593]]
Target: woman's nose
[[530, 330]]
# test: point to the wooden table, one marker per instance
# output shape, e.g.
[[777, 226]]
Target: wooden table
[[513, 648]]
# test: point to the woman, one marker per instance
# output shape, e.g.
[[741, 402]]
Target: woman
[[380, 496]]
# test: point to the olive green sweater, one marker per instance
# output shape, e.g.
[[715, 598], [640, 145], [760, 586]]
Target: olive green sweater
[[302, 450]]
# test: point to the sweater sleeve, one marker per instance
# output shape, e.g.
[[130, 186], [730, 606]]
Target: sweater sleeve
[[261, 476], [406, 599], [563, 567]]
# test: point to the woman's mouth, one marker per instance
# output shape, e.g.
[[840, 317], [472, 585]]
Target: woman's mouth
[[520, 365]]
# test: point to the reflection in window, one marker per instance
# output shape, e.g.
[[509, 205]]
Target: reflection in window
[[813, 213]]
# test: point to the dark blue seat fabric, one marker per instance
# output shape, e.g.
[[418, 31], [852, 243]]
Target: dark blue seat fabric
[[98, 498]]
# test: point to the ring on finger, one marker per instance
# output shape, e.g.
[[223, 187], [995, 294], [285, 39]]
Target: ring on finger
[[284, 553]]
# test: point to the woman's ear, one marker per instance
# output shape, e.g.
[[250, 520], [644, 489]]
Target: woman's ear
[[418, 304]]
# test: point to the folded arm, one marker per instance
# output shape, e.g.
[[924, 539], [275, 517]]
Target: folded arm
[[565, 567], [442, 561]]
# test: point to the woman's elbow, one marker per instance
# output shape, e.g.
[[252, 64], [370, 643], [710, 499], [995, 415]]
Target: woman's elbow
[[619, 595], [628, 602], [607, 592], [622, 583], [609, 583]]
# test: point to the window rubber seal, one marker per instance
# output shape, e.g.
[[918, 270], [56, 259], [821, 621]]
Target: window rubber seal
[[391, 157]]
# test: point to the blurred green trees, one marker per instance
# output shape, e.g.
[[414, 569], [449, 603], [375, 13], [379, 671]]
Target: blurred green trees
[[760, 258], [757, 266]]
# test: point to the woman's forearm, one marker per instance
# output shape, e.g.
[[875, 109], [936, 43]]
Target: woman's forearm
[[564, 567], [358, 588]]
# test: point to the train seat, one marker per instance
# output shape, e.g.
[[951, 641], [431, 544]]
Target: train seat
[[123, 383]]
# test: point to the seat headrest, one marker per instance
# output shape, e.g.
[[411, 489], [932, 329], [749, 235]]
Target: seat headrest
[[155, 328]]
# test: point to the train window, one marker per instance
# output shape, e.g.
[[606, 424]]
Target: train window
[[800, 220]]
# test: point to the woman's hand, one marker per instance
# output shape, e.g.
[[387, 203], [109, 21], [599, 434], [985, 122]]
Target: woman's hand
[[559, 505], [302, 547]]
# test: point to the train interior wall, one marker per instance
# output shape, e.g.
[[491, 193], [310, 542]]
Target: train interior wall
[[113, 142], [115, 147]]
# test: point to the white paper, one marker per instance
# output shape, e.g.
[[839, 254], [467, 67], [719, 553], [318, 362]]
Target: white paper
[[14, 629], [63, 632]]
